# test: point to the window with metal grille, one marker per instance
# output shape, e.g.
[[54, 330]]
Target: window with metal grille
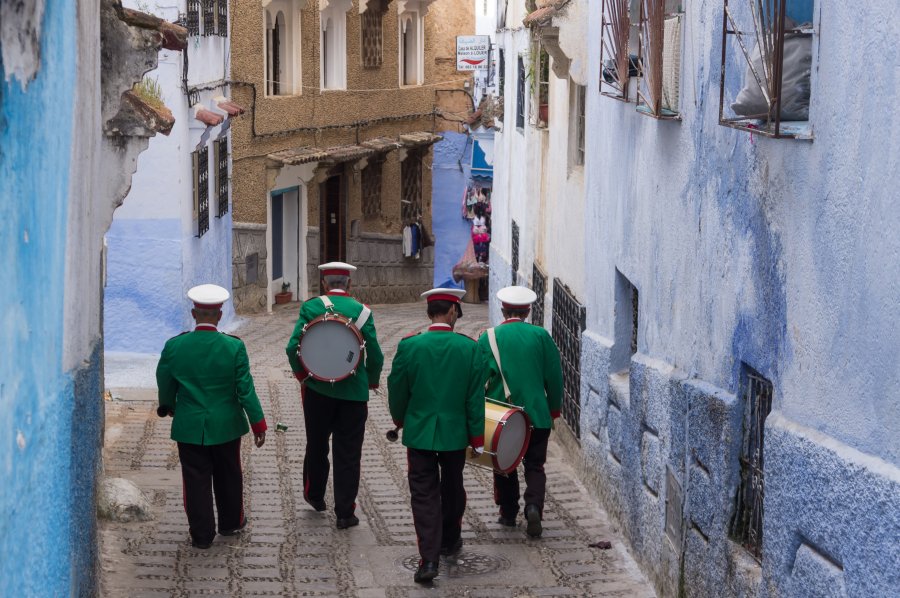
[[541, 70], [659, 54], [411, 192], [514, 255], [201, 189], [578, 100], [193, 17], [569, 321], [618, 47], [209, 17], [372, 33], [502, 73], [371, 188], [539, 286], [747, 524], [766, 68], [222, 25], [520, 94], [222, 176]]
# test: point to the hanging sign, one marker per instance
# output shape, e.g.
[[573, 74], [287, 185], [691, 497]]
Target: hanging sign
[[472, 52]]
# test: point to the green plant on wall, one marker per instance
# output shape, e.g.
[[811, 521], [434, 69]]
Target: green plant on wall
[[150, 91]]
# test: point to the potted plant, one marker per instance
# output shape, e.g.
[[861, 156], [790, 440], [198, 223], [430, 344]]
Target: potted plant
[[285, 295]]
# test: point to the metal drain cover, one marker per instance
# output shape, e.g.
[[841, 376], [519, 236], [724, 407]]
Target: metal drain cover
[[464, 564]]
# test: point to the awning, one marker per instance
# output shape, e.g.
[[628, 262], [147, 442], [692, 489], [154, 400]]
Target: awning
[[331, 155], [419, 139]]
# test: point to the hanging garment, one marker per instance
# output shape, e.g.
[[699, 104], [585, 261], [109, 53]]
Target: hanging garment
[[415, 241], [407, 241]]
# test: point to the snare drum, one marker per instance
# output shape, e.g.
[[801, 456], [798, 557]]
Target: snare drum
[[331, 347], [507, 430]]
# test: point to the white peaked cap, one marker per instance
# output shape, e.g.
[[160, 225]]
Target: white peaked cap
[[516, 296], [442, 294], [336, 268], [208, 295]]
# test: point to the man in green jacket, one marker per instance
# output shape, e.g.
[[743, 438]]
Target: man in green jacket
[[205, 384], [533, 373], [336, 410], [435, 393]]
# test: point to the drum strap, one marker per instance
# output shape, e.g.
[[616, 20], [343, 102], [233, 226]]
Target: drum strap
[[363, 315], [492, 339]]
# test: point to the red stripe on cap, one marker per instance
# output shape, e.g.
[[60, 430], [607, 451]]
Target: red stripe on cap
[[335, 272], [208, 305], [443, 297], [515, 306]]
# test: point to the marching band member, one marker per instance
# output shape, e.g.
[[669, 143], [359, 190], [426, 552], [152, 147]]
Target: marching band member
[[205, 384], [336, 410], [531, 366], [435, 393]]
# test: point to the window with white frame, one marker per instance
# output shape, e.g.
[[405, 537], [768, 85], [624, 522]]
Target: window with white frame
[[576, 104], [283, 47], [333, 43], [412, 40]]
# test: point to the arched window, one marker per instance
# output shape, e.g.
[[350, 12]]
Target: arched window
[[411, 42], [333, 18], [283, 47]]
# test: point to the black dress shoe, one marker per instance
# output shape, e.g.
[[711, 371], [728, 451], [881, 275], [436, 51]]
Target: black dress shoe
[[533, 516], [202, 546], [318, 505], [452, 549], [507, 521], [237, 530], [345, 522], [426, 572]]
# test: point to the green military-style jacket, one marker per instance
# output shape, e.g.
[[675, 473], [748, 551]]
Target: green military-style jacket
[[356, 387], [204, 378], [532, 368], [436, 393]]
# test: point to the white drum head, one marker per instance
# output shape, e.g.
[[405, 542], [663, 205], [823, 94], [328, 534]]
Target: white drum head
[[511, 439], [330, 350]]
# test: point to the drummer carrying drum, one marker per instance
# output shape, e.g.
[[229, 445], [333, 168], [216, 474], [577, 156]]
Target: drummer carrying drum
[[335, 408], [533, 376], [436, 395]]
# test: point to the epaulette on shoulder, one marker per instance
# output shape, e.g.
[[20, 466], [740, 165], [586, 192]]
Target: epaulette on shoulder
[[467, 336], [182, 334], [232, 335], [410, 335]]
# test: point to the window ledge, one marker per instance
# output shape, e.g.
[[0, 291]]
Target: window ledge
[[790, 129]]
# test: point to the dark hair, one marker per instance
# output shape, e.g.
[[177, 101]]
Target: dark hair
[[515, 312], [439, 308]]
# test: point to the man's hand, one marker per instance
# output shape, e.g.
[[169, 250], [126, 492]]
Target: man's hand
[[476, 451], [260, 439]]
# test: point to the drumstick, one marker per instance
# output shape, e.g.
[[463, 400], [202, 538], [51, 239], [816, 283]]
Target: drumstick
[[392, 435]]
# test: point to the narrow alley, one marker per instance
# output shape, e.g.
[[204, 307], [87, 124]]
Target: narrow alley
[[291, 550]]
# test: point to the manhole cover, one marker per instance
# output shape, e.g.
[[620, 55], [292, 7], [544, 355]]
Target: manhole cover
[[464, 564]]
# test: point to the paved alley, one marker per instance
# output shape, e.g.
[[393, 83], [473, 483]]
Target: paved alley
[[291, 550]]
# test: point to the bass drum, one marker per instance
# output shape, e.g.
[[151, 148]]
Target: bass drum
[[507, 430], [331, 348]]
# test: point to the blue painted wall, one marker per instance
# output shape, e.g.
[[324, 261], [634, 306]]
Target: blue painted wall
[[450, 176], [777, 255], [48, 471]]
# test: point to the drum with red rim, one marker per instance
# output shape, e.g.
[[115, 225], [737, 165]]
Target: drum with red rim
[[507, 430], [331, 347]]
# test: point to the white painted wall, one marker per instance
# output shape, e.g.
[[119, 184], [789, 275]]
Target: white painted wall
[[534, 182]]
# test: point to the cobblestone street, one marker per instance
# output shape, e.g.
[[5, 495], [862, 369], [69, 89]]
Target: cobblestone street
[[291, 550]]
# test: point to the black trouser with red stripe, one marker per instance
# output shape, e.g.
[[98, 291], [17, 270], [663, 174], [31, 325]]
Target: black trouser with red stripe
[[206, 470], [506, 488], [438, 498], [345, 423]]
